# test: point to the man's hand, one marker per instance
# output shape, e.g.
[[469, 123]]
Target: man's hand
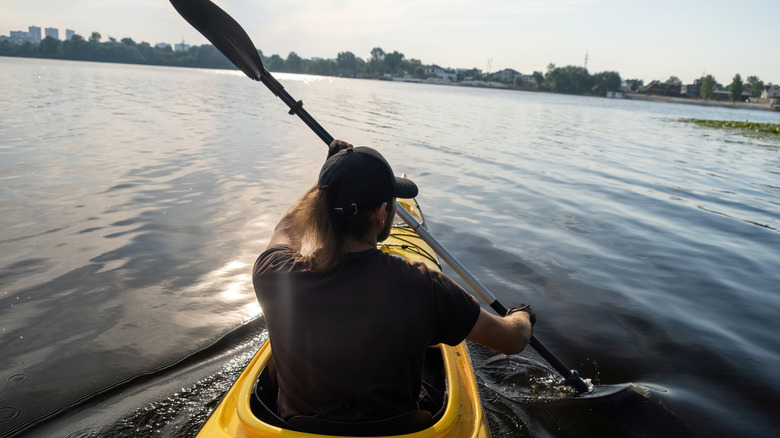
[[336, 146]]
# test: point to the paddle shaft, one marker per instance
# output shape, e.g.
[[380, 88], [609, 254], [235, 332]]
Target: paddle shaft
[[569, 375], [296, 107], [231, 39]]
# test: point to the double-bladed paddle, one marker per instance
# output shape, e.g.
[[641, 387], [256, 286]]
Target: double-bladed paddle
[[231, 39]]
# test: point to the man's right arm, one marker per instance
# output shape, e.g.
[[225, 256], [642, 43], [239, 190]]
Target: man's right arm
[[507, 335]]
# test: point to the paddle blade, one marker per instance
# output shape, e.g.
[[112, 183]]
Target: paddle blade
[[224, 32]]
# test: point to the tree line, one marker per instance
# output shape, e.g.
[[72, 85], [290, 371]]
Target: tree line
[[124, 51], [735, 89], [379, 65]]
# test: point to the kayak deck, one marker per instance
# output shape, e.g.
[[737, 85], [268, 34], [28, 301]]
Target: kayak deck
[[463, 415]]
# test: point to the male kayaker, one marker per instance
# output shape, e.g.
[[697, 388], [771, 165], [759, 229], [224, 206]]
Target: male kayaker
[[349, 325]]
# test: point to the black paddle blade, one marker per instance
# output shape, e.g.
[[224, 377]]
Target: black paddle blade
[[224, 32]]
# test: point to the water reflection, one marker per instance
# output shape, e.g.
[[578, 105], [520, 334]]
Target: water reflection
[[135, 200]]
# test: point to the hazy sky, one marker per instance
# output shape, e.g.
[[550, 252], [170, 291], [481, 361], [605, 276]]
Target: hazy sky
[[638, 39]]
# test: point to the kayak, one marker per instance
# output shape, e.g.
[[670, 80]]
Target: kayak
[[461, 415]]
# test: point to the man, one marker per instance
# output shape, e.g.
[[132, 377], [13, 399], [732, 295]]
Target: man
[[348, 324]]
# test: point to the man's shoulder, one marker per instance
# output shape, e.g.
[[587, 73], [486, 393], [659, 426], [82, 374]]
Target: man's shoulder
[[273, 258]]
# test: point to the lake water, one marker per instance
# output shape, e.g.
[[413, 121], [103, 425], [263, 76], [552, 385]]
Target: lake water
[[135, 199]]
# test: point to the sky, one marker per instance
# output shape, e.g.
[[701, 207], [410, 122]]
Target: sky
[[638, 39]]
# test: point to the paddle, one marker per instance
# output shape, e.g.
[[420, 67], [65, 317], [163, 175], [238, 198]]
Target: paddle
[[231, 39]]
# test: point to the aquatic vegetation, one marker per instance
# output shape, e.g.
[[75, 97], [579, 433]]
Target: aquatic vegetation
[[761, 128]]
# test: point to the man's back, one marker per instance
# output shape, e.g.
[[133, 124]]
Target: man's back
[[349, 346]]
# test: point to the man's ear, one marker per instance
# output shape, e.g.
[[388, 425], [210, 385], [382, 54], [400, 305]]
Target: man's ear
[[379, 215]]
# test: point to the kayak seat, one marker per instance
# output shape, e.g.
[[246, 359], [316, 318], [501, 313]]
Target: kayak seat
[[409, 422], [432, 399]]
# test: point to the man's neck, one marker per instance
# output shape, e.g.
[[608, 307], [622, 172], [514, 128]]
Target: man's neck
[[359, 245]]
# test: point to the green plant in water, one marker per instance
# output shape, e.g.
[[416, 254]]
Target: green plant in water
[[762, 128]]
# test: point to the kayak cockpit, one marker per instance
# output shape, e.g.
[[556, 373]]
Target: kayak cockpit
[[432, 406]]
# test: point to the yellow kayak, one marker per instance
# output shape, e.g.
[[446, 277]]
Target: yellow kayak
[[462, 416]]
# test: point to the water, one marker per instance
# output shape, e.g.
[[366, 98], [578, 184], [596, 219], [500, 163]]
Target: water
[[134, 200]]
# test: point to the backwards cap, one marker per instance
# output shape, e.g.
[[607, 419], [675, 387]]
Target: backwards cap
[[359, 179]]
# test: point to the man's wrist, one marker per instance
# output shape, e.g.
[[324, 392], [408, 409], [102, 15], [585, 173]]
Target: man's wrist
[[523, 308]]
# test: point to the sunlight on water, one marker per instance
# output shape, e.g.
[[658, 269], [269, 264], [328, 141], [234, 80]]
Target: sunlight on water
[[135, 200]]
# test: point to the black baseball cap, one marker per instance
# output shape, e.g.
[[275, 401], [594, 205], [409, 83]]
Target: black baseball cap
[[359, 179]]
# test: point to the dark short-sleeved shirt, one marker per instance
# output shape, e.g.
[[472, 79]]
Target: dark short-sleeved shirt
[[349, 346]]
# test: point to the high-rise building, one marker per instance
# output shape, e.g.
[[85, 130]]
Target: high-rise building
[[69, 34], [19, 36], [35, 34], [52, 32]]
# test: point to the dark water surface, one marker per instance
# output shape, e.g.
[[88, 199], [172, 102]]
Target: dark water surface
[[135, 199]]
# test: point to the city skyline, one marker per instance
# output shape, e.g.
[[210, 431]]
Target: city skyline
[[684, 39]]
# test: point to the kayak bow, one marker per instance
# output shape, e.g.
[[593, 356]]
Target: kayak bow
[[462, 417]]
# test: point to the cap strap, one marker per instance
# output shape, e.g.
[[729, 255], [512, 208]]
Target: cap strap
[[341, 211]]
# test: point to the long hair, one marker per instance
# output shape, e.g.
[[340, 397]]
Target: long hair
[[318, 235]]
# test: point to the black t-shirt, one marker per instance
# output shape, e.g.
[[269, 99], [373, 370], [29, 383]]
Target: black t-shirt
[[349, 346]]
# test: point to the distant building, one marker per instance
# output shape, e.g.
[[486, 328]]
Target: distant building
[[692, 90], [659, 88], [441, 73], [506, 74], [181, 47], [35, 34], [69, 34], [19, 36], [632, 85], [468, 74], [163, 46], [771, 92], [52, 32]]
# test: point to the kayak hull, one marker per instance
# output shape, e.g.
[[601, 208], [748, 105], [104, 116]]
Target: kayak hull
[[463, 415]]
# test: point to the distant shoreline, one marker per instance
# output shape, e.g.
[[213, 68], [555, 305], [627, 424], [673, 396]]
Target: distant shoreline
[[701, 102]]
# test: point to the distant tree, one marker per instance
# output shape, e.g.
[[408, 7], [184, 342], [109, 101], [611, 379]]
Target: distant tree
[[128, 41], [376, 63], [28, 50], [74, 48], [49, 47], [275, 63], [605, 81], [411, 65], [7, 48], [419, 72], [672, 79], [95, 37], [549, 77], [756, 86], [321, 67], [571, 79], [735, 89], [393, 61], [111, 39], [346, 61], [538, 80], [707, 87], [208, 56], [293, 63]]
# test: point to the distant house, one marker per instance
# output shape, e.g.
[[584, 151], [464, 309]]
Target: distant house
[[771, 92], [659, 88], [441, 73], [468, 74], [632, 85], [506, 74], [692, 90]]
